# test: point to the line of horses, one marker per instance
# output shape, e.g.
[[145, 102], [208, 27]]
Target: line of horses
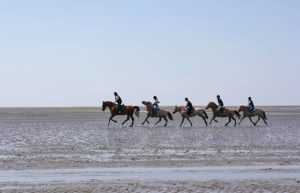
[[165, 114]]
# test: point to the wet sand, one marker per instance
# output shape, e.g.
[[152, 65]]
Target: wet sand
[[73, 150]]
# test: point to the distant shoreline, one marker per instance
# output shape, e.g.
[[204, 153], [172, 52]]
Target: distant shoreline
[[90, 109]]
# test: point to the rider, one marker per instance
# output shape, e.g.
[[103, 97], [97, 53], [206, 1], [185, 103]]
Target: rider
[[189, 107], [118, 100], [155, 107], [221, 104], [250, 105]]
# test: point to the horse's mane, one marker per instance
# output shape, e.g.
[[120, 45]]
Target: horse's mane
[[108, 102], [147, 102]]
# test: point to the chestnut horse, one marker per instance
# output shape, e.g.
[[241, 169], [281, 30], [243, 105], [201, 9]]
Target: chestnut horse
[[246, 113], [160, 114], [227, 113], [127, 110], [182, 110]]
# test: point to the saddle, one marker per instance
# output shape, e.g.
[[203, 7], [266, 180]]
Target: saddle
[[252, 111], [122, 108], [155, 112], [190, 112], [221, 111]]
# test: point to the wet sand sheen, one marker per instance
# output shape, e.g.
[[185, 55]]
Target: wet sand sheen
[[73, 150]]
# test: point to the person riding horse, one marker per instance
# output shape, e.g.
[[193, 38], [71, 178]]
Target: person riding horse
[[155, 107], [251, 107], [189, 107], [221, 104], [118, 100]]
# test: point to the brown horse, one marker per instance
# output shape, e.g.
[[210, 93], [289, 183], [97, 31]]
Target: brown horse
[[128, 110], [227, 113], [160, 114], [246, 113], [182, 110]]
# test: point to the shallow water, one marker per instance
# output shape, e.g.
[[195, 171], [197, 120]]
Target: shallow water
[[34, 142], [222, 173]]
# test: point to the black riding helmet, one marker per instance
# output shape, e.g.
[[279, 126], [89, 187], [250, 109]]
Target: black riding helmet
[[249, 98], [186, 99], [115, 93], [155, 97], [218, 96]]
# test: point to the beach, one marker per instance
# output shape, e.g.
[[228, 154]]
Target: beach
[[74, 150]]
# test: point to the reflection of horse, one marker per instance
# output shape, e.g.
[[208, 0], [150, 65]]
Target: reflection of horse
[[182, 110], [226, 113], [159, 114], [246, 113], [126, 110]]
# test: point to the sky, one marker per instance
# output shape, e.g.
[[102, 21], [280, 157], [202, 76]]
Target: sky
[[77, 53]]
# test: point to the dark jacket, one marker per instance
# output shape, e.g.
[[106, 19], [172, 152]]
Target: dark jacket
[[118, 100], [251, 104], [221, 104], [189, 106]]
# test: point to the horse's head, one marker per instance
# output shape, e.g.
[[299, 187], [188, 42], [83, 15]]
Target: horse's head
[[147, 104], [242, 108], [176, 109], [106, 104], [211, 105], [103, 106]]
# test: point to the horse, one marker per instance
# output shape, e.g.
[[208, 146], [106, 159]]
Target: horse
[[127, 110], [226, 113], [182, 110], [159, 114], [246, 113]]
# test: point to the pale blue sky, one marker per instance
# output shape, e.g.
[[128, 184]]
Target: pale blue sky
[[77, 53]]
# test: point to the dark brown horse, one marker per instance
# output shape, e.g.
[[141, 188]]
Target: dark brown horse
[[127, 110]]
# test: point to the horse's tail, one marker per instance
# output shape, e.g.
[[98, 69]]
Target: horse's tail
[[137, 111], [205, 114], [264, 115], [237, 114], [170, 116]]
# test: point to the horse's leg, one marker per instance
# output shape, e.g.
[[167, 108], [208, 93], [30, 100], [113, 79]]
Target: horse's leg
[[165, 118], [189, 121], [213, 118], [131, 116], [146, 120], [264, 120], [126, 120], [181, 121], [241, 120], [158, 121], [228, 121], [257, 120], [110, 118], [204, 119], [234, 121], [251, 121]]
